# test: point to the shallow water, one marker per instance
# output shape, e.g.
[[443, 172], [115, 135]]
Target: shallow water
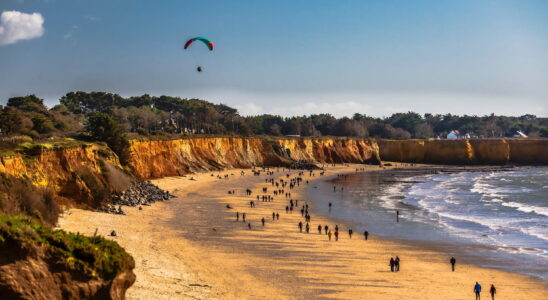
[[492, 219]]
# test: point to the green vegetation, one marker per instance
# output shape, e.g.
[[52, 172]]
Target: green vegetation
[[103, 128], [93, 256], [111, 118]]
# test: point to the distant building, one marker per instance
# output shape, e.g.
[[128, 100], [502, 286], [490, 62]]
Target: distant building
[[453, 135], [520, 134]]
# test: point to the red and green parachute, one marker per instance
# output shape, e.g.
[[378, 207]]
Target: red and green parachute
[[202, 39]]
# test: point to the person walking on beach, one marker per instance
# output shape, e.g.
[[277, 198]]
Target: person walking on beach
[[301, 226], [277, 216], [336, 235], [329, 234], [330, 206], [237, 216], [243, 217], [286, 209], [366, 234], [397, 264], [326, 228], [477, 290], [273, 216], [397, 216], [391, 264], [492, 291], [249, 226], [350, 233], [307, 228], [319, 229], [453, 261], [262, 221]]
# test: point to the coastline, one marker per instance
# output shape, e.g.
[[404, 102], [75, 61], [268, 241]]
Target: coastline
[[370, 200], [191, 247]]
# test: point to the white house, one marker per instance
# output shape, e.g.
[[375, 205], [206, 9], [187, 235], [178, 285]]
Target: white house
[[520, 134]]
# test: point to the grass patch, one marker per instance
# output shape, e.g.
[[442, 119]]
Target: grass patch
[[94, 256]]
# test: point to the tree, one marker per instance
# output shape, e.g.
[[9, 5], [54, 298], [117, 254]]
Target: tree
[[103, 128], [89, 103], [11, 121], [424, 131], [42, 125], [29, 103]]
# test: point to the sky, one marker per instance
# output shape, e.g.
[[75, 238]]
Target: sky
[[291, 57]]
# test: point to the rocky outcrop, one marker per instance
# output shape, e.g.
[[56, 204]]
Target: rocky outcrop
[[475, 151], [154, 159]]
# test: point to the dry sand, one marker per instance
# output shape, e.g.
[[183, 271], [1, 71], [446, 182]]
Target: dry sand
[[191, 247]]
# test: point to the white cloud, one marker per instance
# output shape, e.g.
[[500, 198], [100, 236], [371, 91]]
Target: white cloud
[[377, 104], [70, 33], [91, 18], [16, 26]]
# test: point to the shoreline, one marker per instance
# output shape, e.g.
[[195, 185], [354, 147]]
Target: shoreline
[[472, 252], [191, 247]]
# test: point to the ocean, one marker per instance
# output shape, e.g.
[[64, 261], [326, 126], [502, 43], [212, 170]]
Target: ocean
[[492, 219]]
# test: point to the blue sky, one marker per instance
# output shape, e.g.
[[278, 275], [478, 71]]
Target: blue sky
[[290, 57]]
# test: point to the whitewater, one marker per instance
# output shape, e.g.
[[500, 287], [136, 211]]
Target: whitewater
[[493, 219]]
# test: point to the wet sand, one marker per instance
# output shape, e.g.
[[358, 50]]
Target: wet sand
[[191, 247]]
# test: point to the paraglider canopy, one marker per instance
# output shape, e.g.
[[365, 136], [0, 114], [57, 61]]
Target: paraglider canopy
[[202, 39]]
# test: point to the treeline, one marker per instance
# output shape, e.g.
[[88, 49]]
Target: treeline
[[109, 117]]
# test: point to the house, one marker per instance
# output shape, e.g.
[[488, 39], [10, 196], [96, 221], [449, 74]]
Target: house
[[520, 134], [453, 135]]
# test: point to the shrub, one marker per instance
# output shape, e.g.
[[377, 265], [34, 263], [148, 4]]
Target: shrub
[[93, 256]]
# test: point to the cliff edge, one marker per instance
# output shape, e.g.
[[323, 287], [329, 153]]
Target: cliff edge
[[466, 152]]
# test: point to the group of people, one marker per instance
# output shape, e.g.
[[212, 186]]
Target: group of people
[[477, 291], [282, 183], [394, 264]]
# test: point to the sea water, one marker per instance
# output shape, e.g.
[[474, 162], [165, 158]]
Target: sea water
[[492, 219]]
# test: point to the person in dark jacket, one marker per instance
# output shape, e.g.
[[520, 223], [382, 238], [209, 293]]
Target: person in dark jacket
[[477, 290], [391, 264], [492, 291], [453, 261]]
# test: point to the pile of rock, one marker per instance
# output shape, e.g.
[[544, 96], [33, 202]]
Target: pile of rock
[[303, 165], [141, 193]]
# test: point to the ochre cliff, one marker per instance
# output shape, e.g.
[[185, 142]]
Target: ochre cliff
[[74, 174], [85, 175], [154, 159], [485, 151]]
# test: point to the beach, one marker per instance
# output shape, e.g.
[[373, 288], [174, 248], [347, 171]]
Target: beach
[[192, 247]]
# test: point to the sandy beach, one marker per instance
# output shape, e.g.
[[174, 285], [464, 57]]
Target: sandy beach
[[192, 247]]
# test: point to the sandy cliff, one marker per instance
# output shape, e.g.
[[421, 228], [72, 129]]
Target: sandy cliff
[[155, 159], [74, 174], [487, 151]]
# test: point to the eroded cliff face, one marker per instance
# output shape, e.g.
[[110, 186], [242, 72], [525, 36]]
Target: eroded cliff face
[[154, 159], [487, 151], [73, 174]]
